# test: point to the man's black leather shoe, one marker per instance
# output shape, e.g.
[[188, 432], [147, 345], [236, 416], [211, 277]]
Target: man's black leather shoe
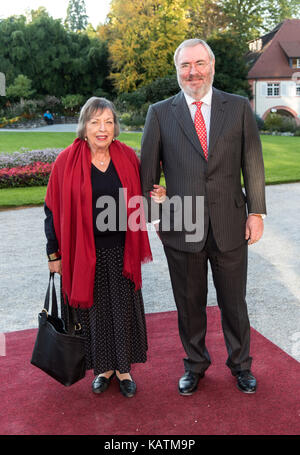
[[127, 387], [188, 382], [246, 382], [101, 383]]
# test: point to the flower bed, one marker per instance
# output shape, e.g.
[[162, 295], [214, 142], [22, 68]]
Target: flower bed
[[7, 122], [36, 174], [26, 169], [24, 158]]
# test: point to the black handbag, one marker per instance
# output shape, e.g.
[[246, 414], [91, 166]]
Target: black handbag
[[59, 348]]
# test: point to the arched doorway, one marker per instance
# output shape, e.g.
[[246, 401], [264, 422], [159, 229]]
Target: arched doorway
[[284, 111]]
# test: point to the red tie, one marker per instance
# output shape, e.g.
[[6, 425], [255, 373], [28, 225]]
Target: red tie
[[201, 128]]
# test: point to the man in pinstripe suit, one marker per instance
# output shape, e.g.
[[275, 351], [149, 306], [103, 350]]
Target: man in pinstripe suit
[[232, 219]]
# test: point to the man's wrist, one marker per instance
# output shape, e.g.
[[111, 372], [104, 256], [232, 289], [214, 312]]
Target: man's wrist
[[261, 215]]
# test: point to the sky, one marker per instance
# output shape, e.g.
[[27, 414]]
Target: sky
[[95, 9]]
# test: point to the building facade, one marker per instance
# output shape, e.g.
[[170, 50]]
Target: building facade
[[274, 74]]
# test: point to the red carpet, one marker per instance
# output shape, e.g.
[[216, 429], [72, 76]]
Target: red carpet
[[34, 404]]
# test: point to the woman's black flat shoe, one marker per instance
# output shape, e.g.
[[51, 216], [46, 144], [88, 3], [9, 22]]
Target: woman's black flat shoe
[[127, 387], [101, 383]]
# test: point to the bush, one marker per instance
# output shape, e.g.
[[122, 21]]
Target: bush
[[4, 121], [34, 108], [73, 103], [134, 106], [30, 107], [132, 119], [162, 88], [51, 102], [158, 90], [21, 88], [280, 123], [260, 122], [13, 110]]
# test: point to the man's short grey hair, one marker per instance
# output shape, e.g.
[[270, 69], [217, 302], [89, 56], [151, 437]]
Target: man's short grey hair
[[93, 105], [191, 43]]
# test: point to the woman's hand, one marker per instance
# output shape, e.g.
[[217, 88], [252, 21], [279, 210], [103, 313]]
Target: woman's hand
[[55, 266], [158, 194]]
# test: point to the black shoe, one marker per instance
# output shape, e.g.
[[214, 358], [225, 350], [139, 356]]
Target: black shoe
[[127, 387], [189, 382], [101, 383], [246, 382]]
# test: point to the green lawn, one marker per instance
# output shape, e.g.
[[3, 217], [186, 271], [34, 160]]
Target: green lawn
[[281, 156], [17, 197], [13, 142], [282, 159]]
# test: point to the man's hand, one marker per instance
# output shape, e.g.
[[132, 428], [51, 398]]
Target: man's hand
[[158, 194], [254, 229], [55, 266]]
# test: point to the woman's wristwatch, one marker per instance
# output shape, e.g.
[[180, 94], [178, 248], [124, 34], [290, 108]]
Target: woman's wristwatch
[[54, 256]]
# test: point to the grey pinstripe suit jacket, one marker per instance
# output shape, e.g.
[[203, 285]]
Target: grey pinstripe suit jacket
[[234, 146]]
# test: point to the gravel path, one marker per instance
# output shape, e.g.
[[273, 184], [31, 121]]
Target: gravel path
[[273, 295]]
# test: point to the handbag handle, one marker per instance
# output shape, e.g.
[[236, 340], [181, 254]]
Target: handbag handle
[[73, 325], [54, 310]]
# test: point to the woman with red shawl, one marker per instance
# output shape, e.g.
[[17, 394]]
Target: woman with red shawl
[[89, 195]]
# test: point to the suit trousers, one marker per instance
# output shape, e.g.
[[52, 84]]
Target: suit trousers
[[188, 273]]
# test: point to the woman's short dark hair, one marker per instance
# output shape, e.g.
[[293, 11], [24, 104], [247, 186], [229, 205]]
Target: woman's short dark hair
[[93, 105]]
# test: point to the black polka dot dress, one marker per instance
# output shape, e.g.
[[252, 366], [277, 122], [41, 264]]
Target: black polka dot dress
[[115, 326]]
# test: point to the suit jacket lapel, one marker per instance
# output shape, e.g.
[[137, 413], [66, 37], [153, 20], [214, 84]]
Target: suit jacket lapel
[[183, 116], [216, 117]]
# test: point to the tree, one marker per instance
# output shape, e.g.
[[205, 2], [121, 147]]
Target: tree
[[142, 37], [244, 18], [230, 67], [277, 11], [206, 18], [21, 88], [72, 103], [13, 51], [248, 19], [57, 61], [77, 19]]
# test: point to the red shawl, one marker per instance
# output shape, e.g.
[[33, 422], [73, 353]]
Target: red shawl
[[69, 197]]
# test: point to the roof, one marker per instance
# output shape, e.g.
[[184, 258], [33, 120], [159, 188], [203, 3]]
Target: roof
[[291, 48], [270, 53]]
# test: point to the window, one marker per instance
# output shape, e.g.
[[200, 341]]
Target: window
[[256, 45], [273, 89], [295, 62], [297, 89]]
